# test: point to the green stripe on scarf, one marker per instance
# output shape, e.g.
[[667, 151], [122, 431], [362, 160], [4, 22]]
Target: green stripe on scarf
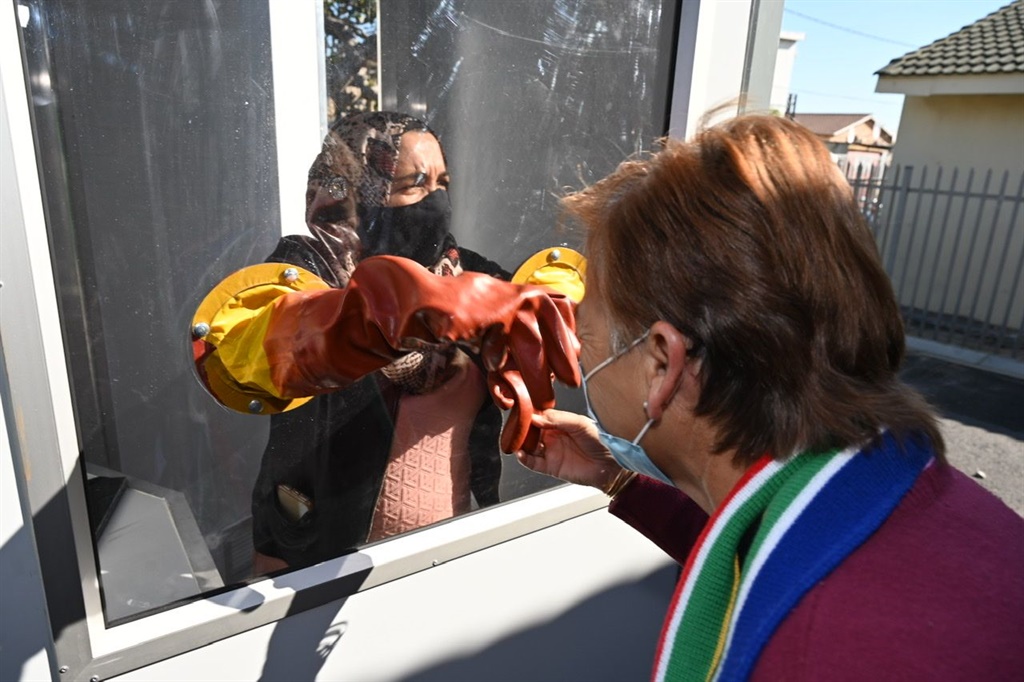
[[794, 485], [707, 612]]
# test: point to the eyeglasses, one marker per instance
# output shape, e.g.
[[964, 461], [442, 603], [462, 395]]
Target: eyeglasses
[[615, 356]]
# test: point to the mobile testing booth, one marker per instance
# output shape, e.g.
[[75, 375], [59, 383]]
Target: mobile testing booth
[[151, 147]]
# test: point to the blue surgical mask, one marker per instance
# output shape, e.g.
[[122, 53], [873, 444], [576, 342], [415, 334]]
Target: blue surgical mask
[[627, 453]]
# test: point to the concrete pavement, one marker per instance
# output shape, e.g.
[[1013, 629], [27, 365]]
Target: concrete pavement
[[982, 421]]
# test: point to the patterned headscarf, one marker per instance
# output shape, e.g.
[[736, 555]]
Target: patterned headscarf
[[373, 137], [360, 154], [334, 226]]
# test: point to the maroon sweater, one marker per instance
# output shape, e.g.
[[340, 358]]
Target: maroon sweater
[[937, 593]]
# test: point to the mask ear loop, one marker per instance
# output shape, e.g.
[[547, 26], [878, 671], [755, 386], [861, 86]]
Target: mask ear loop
[[647, 426]]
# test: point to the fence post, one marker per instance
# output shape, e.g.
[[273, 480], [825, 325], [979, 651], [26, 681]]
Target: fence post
[[901, 206]]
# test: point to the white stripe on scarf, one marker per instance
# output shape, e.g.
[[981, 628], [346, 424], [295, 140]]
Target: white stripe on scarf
[[727, 512], [781, 527]]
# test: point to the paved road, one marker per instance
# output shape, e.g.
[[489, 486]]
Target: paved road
[[982, 422]]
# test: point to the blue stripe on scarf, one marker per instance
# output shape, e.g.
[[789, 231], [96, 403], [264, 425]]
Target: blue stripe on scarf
[[845, 513]]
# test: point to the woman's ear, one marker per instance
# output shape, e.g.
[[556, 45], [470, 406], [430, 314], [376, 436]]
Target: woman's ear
[[668, 366]]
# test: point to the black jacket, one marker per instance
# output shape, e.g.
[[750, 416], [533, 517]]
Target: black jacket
[[334, 450]]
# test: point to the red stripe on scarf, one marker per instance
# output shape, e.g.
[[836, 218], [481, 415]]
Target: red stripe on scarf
[[756, 467]]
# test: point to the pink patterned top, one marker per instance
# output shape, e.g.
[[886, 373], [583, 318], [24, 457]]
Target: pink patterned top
[[427, 476]]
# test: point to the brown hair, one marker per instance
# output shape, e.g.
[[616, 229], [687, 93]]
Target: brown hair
[[748, 240]]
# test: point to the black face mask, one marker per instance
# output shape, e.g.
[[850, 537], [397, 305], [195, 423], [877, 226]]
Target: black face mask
[[419, 231]]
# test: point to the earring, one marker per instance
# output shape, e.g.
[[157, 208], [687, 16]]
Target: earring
[[647, 413]]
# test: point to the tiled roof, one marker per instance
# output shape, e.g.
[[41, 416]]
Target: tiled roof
[[827, 124], [994, 44]]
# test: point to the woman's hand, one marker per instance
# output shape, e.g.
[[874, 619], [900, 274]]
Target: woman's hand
[[570, 449]]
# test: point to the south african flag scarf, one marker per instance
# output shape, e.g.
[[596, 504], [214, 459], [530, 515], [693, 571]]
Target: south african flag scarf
[[801, 517]]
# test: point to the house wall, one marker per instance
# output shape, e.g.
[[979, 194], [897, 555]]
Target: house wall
[[980, 131], [862, 132], [957, 244], [869, 132], [866, 160]]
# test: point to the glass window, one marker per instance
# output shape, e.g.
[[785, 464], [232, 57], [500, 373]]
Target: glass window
[[155, 124]]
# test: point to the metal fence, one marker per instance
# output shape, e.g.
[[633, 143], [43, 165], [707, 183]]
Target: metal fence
[[953, 245]]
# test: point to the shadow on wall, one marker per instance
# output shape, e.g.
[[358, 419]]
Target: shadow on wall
[[21, 639], [586, 642], [59, 612]]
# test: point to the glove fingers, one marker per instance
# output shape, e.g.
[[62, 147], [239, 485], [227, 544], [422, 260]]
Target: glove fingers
[[517, 426], [503, 394], [514, 433], [532, 439], [494, 349], [527, 348], [561, 347], [543, 343]]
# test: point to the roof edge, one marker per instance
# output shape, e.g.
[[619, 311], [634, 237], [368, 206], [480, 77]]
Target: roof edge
[[956, 84], [1012, 7]]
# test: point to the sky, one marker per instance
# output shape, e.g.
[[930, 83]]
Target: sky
[[835, 65]]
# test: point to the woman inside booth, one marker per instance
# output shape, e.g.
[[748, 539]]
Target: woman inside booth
[[393, 426]]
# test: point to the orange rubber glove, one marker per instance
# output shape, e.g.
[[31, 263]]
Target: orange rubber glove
[[318, 341]]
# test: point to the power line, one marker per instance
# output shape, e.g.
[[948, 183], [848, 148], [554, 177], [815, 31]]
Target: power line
[[873, 100], [847, 30]]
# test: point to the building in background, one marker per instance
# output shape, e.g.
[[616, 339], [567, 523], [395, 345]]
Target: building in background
[[964, 96], [782, 100], [954, 231], [855, 140]]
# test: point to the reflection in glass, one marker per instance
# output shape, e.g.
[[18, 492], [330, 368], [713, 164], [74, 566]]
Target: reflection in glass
[[350, 33], [159, 171], [155, 127], [530, 98]]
